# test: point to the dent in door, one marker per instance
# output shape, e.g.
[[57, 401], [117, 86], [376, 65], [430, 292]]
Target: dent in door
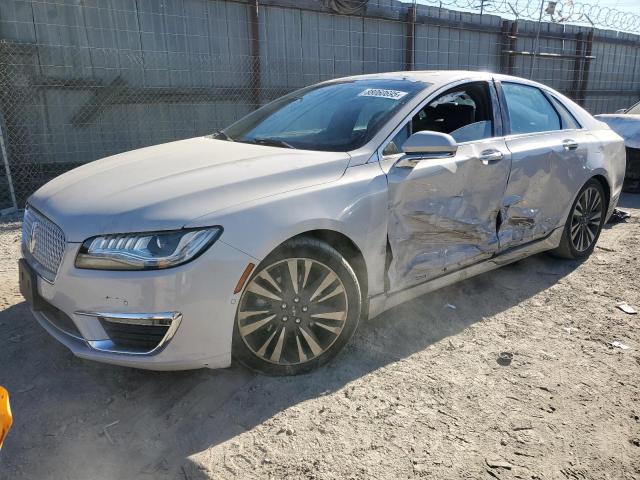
[[543, 180], [520, 223], [438, 221]]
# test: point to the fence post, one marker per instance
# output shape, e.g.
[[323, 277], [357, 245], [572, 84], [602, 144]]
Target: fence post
[[256, 79], [508, 43], [411, 26], [586, 64], [577, 66], [7, 169], [504, 45], [4, 84]]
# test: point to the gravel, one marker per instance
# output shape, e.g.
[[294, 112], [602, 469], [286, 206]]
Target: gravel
[[419, 392]]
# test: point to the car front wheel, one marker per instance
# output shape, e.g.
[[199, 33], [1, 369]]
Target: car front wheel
[[298, 310]]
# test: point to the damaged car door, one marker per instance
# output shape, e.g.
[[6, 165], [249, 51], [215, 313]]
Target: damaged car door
[[443, 206], [547, 146]]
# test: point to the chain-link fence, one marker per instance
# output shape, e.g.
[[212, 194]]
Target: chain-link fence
[[84, 79]]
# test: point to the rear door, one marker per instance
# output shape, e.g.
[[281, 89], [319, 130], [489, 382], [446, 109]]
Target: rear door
[[548, 147], [442, 211]]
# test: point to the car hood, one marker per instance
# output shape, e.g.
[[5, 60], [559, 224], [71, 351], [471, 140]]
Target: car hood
[[625, 125], [165, 186]]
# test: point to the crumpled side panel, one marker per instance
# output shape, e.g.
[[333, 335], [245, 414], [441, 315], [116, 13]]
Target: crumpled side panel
[[521, 224], [543, 181], [434, 234], [442, 216]]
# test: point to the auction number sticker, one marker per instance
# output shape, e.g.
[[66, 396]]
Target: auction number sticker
[[382, 93]]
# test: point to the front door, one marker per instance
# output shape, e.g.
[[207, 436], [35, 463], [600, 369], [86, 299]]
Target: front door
[[443, 211]]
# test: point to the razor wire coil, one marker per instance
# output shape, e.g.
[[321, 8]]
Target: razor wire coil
[[566, 11]]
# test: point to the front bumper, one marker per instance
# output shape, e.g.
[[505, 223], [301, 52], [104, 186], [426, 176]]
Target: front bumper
[[110, 316], [135, 333]]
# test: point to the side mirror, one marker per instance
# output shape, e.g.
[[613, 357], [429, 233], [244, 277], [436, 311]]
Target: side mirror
[[621, 110], [425, 145]]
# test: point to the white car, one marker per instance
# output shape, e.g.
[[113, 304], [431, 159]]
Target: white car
[[272, 238], [626, 123]]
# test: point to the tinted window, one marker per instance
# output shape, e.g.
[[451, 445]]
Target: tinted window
[[568, 120], [529, 109], [338, 116], [465, 113]]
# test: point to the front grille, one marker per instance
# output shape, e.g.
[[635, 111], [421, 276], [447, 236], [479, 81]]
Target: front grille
[[42, 241], [134, 338]]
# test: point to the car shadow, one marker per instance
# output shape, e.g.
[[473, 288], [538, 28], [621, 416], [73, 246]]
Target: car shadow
[[123, 422]]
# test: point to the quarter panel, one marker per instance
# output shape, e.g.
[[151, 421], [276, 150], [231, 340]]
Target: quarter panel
[[608, 158]]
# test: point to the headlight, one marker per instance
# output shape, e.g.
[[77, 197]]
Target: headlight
[[145, 251]]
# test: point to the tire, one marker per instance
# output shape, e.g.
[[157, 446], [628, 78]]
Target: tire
[[295, 331], [581, 232]]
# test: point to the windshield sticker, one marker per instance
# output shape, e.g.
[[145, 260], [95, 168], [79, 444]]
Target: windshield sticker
[[382, 93]]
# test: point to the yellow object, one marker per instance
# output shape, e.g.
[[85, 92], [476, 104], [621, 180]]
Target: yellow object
[[5, 415]]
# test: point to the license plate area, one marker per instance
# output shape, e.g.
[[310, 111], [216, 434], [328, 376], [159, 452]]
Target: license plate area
[[28, 280]]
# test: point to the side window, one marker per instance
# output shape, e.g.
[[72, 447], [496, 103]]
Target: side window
[[395, 146], [529, 109], [464, 112], [568, 120]]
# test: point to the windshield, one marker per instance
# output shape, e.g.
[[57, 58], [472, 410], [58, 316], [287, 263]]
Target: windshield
[[335, 117]]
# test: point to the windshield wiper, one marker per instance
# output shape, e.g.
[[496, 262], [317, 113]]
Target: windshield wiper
[[273, 142]]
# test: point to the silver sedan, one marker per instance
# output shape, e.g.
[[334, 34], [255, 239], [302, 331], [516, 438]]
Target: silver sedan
[[271, 239]]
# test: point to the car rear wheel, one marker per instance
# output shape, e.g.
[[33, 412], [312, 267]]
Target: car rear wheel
[[298, 310], [584, 224]]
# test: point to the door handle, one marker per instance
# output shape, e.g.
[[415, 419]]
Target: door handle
[[569, 144], [490, 156]]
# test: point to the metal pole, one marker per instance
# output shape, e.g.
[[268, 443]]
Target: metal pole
[[577, 67], [581, 97], [410, 42], [7, 169], [3, 148], [536, 45], [256, 74]]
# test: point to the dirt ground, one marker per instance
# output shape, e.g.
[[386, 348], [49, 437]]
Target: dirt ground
[[418, 393]]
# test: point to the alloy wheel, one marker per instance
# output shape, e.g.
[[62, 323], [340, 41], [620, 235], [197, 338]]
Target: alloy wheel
[[586, 219], [292, 311]]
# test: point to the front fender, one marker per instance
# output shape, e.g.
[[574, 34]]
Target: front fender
[[355, 206]]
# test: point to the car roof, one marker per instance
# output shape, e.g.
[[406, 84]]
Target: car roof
[[438, 78]]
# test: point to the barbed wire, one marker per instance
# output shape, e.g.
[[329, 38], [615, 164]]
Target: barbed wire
[[566, 11]]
